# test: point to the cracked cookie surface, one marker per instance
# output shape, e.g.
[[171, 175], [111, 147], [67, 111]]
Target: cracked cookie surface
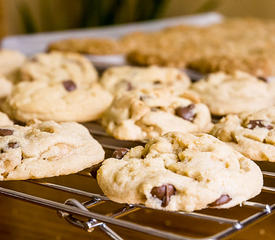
[[126, 78], [234, 93], [147, 113], [181, 172], [46, 149], [252, 134]]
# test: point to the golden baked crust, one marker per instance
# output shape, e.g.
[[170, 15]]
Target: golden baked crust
[[256, 64], [250, 133], [245, 44], [237, 44], [195, 170], [97, 46]]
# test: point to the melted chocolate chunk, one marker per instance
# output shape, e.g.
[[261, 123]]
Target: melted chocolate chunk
[[119, 153], [5, 132], [13, 145], [95, 169], [157, 82], [69, 85], [164, 193], [264, 79], [258, 123], [223, 199], [186, 113]]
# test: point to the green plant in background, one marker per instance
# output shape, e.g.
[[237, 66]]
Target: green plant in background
[[208, 6], [27, 19], [98, 13], [85, 13], [52, 15]]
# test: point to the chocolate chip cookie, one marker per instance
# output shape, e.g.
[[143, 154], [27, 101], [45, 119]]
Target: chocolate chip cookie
[[181, 172], [59, 101], [46, 149], [58, 67], [146, 113], [234, 93], [126, 78], [252, 134]]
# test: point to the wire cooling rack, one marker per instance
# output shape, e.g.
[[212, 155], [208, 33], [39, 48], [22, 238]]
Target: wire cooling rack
[[82, 214]]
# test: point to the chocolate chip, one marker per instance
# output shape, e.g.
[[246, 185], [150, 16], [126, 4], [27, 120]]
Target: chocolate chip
[[141, 98], [263, 79], [186, 112], [223, 199], [95, 169], [258, 123], [164, 193], [5, 132], [157, 82], [13, 145], [119, 153], [69, 85], [129, 86], [155, 109]]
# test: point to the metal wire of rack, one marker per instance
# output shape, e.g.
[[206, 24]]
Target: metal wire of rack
[[72, 209]]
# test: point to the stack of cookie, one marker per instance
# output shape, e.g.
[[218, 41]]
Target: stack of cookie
[[191, 160]]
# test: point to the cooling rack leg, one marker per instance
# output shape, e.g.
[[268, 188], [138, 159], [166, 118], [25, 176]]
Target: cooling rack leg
[[91, 224]]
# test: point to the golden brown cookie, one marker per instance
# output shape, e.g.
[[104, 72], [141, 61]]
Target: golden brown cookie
[[96, 46]]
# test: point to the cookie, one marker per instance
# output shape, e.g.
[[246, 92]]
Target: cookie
[[46, 149], [260, 64], [120, 79], [181, 172], [58, 101], [58, 67], [234, 93], [5, 87], [95, 46], [252, 134], [146, 113], [167, 48], [235, 44], [4, 120], [10, 62]]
